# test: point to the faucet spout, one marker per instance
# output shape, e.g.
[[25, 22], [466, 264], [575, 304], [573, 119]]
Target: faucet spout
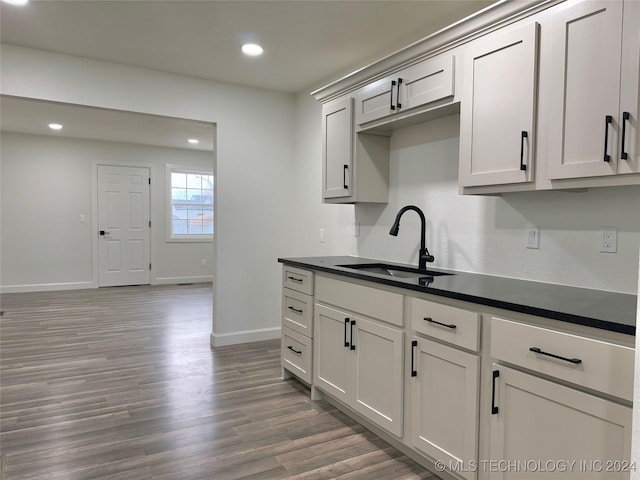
[[424, 255]]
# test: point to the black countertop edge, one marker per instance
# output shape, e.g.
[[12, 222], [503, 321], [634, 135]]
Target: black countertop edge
[[515, 307]]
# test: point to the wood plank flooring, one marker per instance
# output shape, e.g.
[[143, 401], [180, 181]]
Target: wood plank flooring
[[121, 383]]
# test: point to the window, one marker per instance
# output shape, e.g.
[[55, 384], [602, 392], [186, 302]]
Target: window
[[191, 204]]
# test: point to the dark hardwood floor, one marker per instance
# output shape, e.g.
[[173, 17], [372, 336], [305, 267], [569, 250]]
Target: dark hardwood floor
[[121, 383]]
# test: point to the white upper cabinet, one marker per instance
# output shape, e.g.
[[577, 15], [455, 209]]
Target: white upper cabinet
[[592, 43], [498, 105], [355, 167], [547, 100], [337, 148], [376, 100], [630, 89], [415, 86], [426, 82]]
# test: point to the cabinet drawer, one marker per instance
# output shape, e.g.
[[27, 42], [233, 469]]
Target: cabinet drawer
[[296, 354], [372, 302], [449, 324], [601, 366], [297, 311], [297, 279]]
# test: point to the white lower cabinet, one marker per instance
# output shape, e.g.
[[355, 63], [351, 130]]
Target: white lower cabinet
[[296, 325], [543, 430], [566, 414], [331, 351], [296, 354], [545, 404], [444, 404], [359, 362]]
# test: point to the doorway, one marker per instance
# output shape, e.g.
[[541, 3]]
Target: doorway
[[123, 226]]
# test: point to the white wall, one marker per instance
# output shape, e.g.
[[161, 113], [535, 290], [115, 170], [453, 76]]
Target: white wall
[[487, 234], [254, 172], [48, 183], [310, 214]]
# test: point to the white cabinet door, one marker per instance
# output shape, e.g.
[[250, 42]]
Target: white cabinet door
[[426, 82], [377, 369], [497, 111], [418, 85], [584, 86], [331, 351], [444, 404], [376, 100], [629, 91], [337, 148], [359, 362], [538, 422]]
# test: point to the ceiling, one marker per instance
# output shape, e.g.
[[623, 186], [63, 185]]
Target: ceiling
[[306, 42], [33, 117]]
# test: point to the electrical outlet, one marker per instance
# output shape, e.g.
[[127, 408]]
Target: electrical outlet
[[356, 229], [609, 240], [322, 235], [533, 237], [203, 262]]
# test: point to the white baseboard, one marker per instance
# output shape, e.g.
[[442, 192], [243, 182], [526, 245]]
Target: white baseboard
[[46, 287], [244, 336], [176, 280]]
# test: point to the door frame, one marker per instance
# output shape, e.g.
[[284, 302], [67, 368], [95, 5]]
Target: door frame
[[95, 252]]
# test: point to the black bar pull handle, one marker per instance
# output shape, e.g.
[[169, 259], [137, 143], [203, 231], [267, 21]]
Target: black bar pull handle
[[353, 344], [575, 361], [414, 372], [608, 119], [297, 352], [523, 136], [398, 104], [626, 116], [295, 279], [346, 326], [345, 168], [494, 408], [393, 84], [293, 309], [448, 325]]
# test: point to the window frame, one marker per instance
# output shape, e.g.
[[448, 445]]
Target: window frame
[[182, 238]]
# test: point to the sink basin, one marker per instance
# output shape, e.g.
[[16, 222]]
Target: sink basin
[[394, 270]]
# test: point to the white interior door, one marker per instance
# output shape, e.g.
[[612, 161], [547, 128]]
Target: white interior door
[[123, 224]]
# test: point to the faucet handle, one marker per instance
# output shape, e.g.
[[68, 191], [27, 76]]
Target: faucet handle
[[425, 256]]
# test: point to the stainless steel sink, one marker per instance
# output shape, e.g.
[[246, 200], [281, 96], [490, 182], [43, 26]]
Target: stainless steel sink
[[394, 270]]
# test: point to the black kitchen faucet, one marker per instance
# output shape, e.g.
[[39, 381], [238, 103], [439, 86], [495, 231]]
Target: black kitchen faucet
[[424, 256]]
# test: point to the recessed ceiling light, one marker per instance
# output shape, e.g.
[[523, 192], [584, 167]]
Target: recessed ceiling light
[[16, 2], [55, 126], [252, 49], [194, 140]]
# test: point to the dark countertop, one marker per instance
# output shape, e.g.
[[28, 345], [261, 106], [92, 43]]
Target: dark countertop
[[594, 308]]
